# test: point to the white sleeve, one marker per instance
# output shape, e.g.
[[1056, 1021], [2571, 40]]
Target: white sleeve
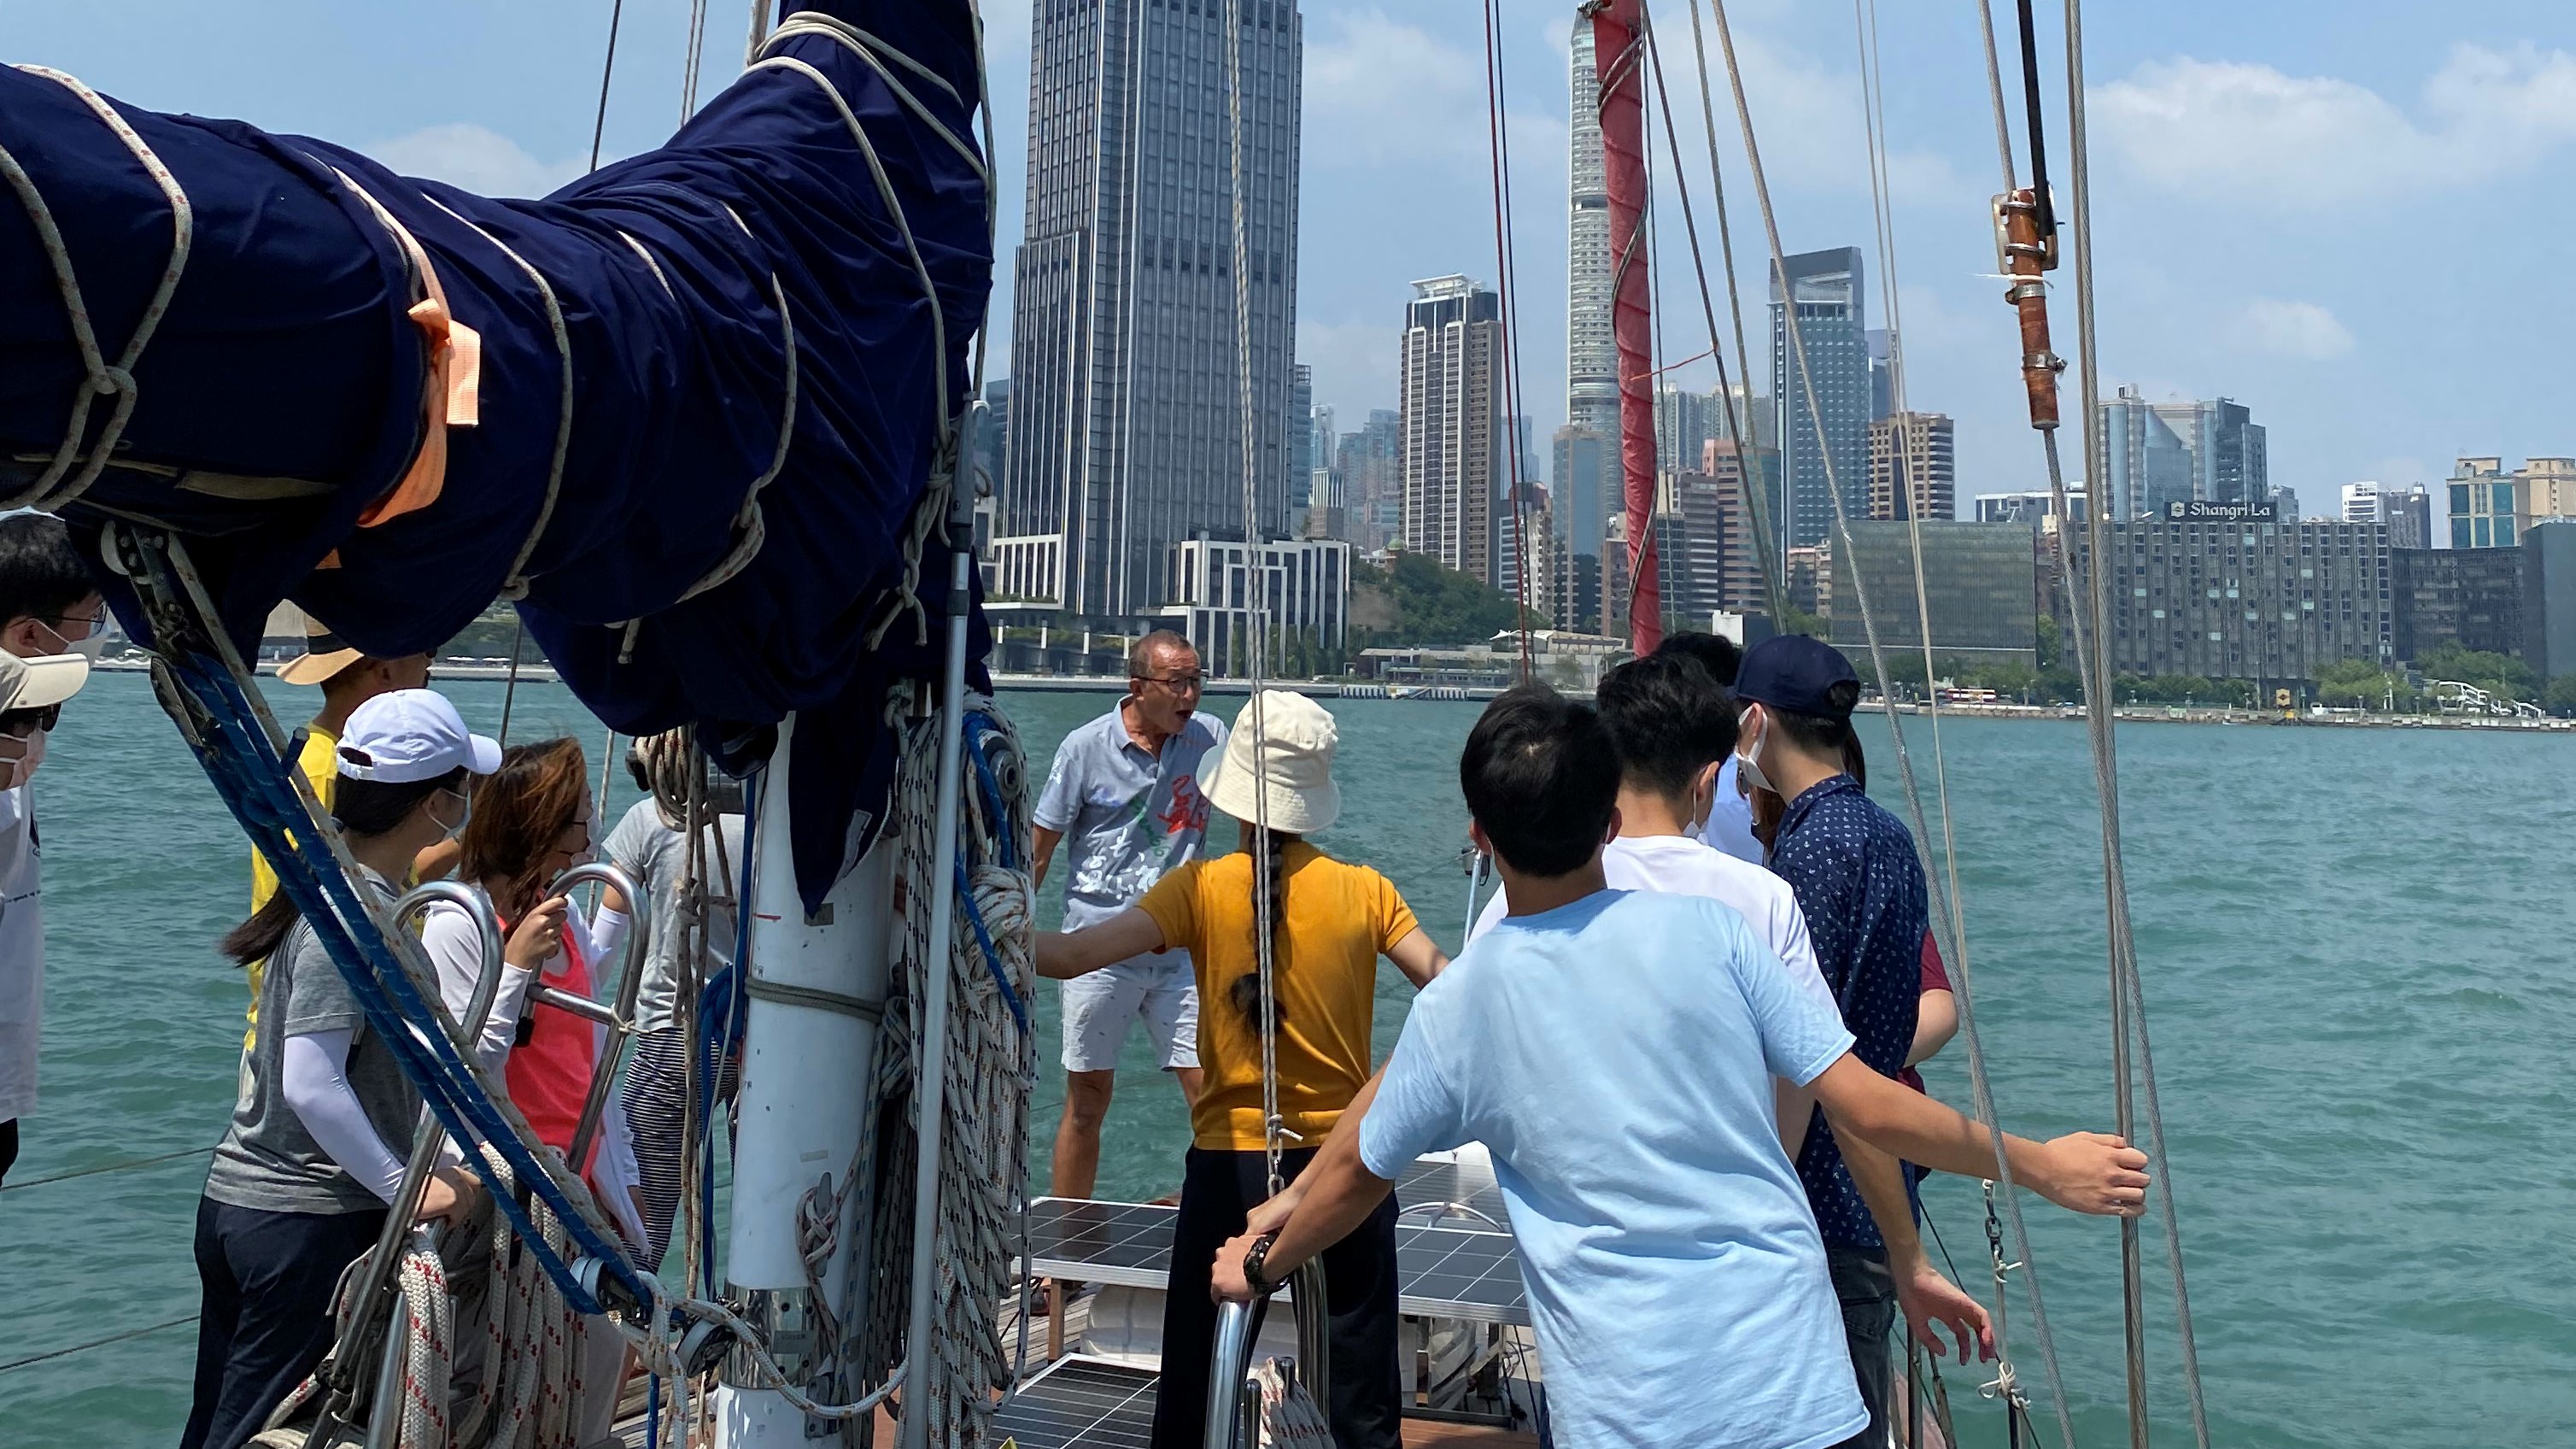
[[1787, 930], [314, 1077], [454, 948], [599, 937]]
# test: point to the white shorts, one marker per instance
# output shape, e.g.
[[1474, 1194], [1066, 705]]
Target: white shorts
[[1100, 1007]]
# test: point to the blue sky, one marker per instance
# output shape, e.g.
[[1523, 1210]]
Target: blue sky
[[2350, 217]]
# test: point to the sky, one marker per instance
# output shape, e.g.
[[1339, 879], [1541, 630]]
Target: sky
[[2353, 226]]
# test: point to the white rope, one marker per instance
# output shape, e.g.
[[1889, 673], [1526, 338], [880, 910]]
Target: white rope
[[430, 1357], [103, 379]]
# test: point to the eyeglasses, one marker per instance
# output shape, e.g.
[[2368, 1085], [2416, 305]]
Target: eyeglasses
[[65, 625], [1178, 684], [19, 723]]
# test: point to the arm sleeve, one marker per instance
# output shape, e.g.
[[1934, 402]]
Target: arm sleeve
[[624, 847], [449, 938], [1395, 918], [1173, 903], [1061, 800], [1416, 1111], [1789, 941], [599, 938], [1802, 1033], [314, 1079], [1824, 877], [1936, 977]]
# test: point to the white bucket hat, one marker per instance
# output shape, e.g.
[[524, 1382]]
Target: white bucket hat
[[1295, 739]]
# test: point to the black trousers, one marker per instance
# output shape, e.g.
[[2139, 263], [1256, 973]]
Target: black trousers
[[1366, 1388], [266, 1322], [1868, 1295], [8, 1147]]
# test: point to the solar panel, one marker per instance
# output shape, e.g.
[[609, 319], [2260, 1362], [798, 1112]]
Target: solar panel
[[1445, 1272], [1431, 1193], [1076, 1400]]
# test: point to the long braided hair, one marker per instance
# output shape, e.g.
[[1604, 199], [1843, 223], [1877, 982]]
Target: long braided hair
[[1245, 993]]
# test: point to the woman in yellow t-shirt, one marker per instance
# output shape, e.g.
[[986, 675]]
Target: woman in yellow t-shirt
[[1330, 921]]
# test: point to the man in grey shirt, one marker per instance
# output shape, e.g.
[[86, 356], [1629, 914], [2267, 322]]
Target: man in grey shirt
[[1124, 791]]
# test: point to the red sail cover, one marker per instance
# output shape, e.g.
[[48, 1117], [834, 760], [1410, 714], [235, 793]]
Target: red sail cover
[[1616, 45]]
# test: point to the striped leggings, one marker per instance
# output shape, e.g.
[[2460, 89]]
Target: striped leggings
[[656, 1097]]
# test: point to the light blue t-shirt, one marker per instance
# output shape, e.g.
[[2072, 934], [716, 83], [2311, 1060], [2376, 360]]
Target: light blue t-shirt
[[1616, 1057]]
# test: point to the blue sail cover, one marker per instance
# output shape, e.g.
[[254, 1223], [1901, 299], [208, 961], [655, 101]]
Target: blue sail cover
[[282, 394]]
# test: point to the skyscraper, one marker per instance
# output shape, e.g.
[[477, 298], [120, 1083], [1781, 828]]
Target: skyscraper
[[1912, 471], [1823, 289], [1882, 374], [2145, 464], [1452, 459], [2227, 448], [1126, 433], [1372, 484], [1684, 422], [1581, 478], [1591, 353], [1299, 429]]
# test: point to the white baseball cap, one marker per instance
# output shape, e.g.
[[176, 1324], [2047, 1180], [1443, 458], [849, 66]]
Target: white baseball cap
[[42, 682], [408, 735]]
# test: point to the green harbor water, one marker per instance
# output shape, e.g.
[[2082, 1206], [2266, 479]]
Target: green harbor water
[[2355, 945]]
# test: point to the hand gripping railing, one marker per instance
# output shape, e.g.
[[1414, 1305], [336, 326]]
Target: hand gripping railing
[[430, 1138], [1233, 1401]]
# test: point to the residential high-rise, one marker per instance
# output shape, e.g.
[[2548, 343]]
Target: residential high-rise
[[1327, 511], [1684, 422], [1741, 586], [1126, 433], [2491, 508], [1824, 291], [1913, 471], [1300, 431], [1690, 547], [1372, 485], [1591, 352], [1452, 459], [2408, 512]]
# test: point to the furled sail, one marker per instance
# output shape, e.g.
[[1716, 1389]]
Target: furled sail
[[685, 411]]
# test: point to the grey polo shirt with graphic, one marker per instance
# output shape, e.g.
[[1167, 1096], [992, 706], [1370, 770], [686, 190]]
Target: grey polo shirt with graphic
[[1127, 816]]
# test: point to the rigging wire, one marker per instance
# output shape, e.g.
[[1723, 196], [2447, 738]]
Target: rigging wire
[[689, 60], [1757, 487], [50, 1354], [1979, 1084], [110, 1167], [607, 70], [2127, 992], [1507, 299]]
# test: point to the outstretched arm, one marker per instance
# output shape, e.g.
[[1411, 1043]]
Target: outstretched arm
[[1418, 957], [2088, 1172], [1063, 955]]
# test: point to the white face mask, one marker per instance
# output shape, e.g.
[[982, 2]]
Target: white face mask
[[464, 818], [1748, 759], [87, 648], [20, 757]]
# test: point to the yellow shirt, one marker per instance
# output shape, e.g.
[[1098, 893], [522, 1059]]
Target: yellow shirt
[[320, 763], [1339, 919]]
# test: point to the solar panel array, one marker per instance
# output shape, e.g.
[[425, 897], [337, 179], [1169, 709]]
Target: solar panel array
[[1445, 1272], [1084, 1401], [1432, 1193]]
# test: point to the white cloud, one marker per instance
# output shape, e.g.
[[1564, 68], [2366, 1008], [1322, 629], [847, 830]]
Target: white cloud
[[1807, 119], [2244, 129], [1354, 362], [479, 160], [1380, 90], [2301, 330]]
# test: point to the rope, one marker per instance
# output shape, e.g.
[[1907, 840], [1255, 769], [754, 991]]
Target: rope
[[1507, 295], [110, 1167], [1981, 1087], [2128, 995], [430, 1359], [1746, 471], [103, 379], [51, 1354]]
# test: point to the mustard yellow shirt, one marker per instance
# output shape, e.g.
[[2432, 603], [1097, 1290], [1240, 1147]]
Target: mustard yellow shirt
[[1338, 919], [320, 763]]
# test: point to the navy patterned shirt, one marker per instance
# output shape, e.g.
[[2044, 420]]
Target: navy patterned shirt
[[1861, 888]]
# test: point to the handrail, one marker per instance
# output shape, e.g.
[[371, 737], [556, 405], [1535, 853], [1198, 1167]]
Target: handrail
[[1231, 1357], [630, 976], [430, 1137]]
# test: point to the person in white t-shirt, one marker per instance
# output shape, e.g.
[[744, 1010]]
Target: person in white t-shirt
[[1672, 726], [1728, 824], [1615, 1050]]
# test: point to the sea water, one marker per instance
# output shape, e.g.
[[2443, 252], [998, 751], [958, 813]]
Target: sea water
[[2354, 943]]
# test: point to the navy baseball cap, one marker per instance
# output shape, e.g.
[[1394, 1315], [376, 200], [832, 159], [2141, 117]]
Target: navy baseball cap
[[1794, 672]]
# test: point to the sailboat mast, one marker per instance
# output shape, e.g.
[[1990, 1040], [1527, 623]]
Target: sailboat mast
[[1618, 45]]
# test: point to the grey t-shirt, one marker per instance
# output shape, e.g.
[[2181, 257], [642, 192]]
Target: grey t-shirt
[[657, 856], [1128, 817], [267, 1160]]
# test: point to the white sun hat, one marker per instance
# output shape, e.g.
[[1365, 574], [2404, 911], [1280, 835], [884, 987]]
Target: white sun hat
[[1295, 739]]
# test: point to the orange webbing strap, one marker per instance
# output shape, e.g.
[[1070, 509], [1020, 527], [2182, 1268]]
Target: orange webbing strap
[[452, 389]]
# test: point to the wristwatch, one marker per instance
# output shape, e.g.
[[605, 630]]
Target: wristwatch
[[1253, 1259]]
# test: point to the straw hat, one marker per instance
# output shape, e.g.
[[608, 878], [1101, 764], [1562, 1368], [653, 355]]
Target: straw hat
[[324, 654], [1295, 739]]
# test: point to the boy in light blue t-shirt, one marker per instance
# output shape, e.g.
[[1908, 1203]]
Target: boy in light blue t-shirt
[[1615, 1050]]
